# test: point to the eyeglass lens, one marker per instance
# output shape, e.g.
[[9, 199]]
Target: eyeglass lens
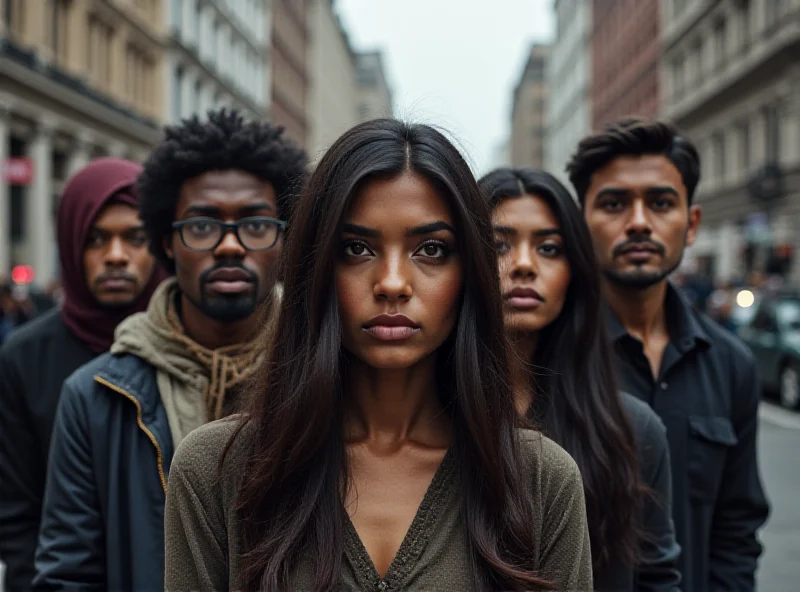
[[254, 233]]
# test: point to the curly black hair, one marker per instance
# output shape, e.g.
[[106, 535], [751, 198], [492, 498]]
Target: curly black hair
[[225, 141]]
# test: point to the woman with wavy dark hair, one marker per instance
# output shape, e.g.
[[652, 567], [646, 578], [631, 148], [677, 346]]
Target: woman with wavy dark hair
[[562, 376], [381, 451]]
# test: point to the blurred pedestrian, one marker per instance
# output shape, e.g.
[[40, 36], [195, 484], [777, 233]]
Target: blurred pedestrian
[[108, 274], [213, 196], [7, 312], [635, 181], [560, 370]]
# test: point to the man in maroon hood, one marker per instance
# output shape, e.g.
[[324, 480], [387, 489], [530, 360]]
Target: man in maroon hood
[[107, 274]]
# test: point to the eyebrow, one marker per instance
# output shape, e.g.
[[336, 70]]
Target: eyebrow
[[612, 192], [429, 228], [248, 210], [365, 231], [653, 191], [128, 230], [359, 230], [650, 191], [510, 231]]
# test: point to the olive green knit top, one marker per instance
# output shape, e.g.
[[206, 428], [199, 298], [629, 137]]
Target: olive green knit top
[[203, 538]]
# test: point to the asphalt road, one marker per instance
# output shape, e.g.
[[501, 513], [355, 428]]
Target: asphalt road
[[779, 454]]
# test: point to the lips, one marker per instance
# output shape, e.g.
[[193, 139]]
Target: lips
[[392, 327], [115, 283], [524, 298], [229, 280]]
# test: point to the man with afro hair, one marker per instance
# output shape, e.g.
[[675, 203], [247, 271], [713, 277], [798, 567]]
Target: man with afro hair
[[215, 197]]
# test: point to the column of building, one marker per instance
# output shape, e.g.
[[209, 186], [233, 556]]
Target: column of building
[[39, 221]]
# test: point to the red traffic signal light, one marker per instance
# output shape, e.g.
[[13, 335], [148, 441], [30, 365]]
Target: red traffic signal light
[[22, 274]]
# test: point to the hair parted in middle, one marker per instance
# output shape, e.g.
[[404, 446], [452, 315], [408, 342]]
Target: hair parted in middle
[[291, 499], [633, 136], [575, 393]]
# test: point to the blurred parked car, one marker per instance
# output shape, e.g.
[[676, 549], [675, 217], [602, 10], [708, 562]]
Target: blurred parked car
[[773, 335]]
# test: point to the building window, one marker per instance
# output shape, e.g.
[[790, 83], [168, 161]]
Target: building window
[[198, 94], [138, 78], [721, 41], [775, 10], [177, 14], [99, 52], [678, 77], [718, 147], [57, 29], [177, 93], [744, 145], [198, 24], [14, 17], [697, 52], [772, 130], [214, 41], [744, 24]]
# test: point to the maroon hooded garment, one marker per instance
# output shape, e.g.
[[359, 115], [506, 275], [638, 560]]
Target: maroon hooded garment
[[86, 193]]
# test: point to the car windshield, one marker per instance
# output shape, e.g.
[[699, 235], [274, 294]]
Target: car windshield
[[788, 313]]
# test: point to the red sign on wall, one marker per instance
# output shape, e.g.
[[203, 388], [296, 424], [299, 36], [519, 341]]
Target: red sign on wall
[[17, 171]]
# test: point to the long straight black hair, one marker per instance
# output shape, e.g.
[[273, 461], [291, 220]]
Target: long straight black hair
[[575, 393], [291, 499]]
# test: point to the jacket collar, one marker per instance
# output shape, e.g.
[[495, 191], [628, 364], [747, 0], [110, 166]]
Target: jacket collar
[[134, 376], [686, 330]]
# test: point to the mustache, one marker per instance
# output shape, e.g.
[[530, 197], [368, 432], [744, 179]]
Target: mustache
[[227, 265], [638, 241], [115, 275]]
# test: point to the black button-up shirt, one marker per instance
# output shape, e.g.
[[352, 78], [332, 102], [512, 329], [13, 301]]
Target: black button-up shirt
[[707, 394]]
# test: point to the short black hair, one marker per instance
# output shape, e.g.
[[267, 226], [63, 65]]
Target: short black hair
[[634, 136], [225, 141]]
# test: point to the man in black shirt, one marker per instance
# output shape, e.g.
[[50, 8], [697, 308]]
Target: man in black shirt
[[635, 181]]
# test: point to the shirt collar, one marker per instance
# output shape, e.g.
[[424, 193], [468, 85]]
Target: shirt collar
[[686, 331]]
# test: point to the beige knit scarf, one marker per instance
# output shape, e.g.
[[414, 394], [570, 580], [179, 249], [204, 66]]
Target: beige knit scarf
[[192, 380]]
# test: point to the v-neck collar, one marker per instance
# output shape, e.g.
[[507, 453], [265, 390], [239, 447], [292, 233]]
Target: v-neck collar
[[415, 540]]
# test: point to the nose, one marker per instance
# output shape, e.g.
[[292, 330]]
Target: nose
[[393, 283], [116, 254], [523, 265], [230, 247], [638, 223]]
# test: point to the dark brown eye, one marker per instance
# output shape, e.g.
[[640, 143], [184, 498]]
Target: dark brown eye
[[356, 249]]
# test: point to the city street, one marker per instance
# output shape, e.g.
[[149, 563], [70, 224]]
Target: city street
[[779, 447]]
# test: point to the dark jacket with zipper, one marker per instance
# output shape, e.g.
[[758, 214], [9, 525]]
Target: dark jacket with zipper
[[103, 520], [34, 362]]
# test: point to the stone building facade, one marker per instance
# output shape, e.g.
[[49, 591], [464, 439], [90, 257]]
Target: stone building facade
[[80, 79]]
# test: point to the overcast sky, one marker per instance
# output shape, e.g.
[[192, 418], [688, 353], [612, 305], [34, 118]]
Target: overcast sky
[[451, 65]]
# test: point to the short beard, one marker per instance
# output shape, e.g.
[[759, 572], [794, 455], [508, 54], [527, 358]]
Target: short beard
[[638, 280], [227, 310], [118, 306]]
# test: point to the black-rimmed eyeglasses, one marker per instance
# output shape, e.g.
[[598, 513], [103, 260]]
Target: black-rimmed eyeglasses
[[257, 233]]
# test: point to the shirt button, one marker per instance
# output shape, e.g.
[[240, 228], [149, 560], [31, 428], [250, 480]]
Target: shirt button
[[664, 386]]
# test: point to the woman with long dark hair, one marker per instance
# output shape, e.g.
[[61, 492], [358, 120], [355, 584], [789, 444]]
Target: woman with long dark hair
[[381, 451], [562, 377]]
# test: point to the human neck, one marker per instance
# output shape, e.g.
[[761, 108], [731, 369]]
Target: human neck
[[213, 334], [521, 349], [641, 311], [389, 408]]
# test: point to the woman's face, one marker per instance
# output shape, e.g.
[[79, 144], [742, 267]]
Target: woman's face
[[398, 275], [534, 271]]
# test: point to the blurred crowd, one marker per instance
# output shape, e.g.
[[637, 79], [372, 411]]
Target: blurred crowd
[[19, 303]]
